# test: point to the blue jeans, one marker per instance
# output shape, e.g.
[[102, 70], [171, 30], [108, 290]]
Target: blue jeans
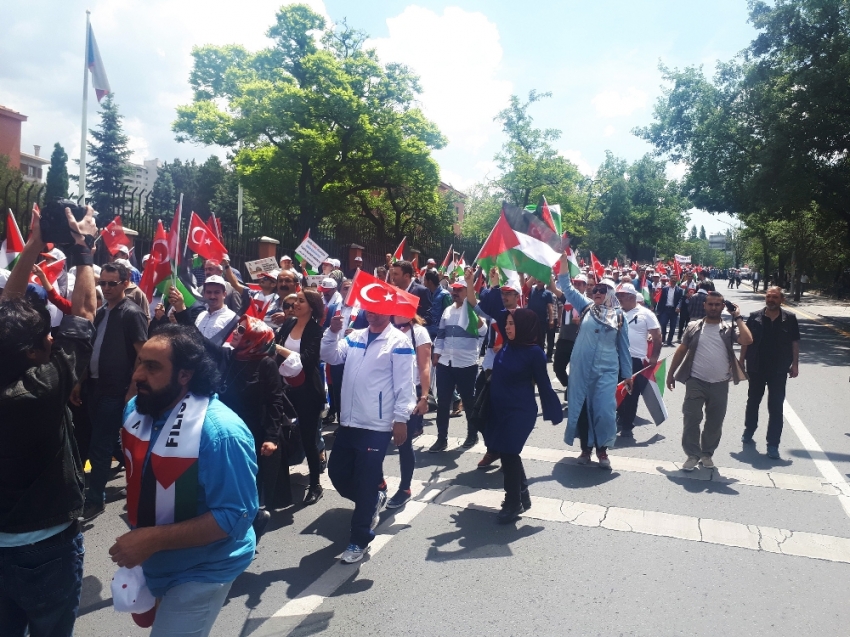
[[107, 417], [40, 586], [189, 610], [355, 469], [448, 378]]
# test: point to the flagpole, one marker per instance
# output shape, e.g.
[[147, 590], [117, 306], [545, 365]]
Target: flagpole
[[177, 243], [83, 134]]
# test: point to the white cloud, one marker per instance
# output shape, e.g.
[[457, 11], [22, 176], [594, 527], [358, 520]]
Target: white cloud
[[617, 104], [676, 171], [609, 130], [457, 56], [578, 159]]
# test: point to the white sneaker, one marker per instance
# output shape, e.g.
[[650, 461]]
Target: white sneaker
[[382, 500], [707, 462], [353, 554], [690, 464]]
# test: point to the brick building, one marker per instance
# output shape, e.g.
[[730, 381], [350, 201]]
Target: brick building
[[10, 135]]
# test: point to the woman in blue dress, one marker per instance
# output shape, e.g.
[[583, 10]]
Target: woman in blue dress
[[517, 367], [600, 357]]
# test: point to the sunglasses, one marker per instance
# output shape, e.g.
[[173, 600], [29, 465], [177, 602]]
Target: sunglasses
[[599, 289], [287, 306], [241, 329], [111, 284]]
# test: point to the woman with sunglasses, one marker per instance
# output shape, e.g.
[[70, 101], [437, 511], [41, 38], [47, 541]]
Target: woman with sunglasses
[[298, 341], [421, 342], [600, 357], [251, 387], [517, 367]]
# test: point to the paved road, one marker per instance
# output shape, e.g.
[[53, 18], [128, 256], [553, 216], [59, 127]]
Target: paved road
[[755, 547]]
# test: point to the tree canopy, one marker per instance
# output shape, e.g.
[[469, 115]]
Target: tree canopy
[[57, 174], [109, 155], [317, 125]]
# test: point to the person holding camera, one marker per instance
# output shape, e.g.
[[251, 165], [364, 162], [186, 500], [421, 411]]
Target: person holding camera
[[41, 475], [706, 363]]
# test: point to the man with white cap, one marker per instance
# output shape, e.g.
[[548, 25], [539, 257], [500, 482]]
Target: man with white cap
[[644, 347], [215, 322], [332, 299], [456, 358], [568, 332], [123, 252]]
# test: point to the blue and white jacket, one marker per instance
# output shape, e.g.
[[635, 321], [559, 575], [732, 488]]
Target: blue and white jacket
[[378, 385]]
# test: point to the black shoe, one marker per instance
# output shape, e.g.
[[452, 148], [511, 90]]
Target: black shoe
[[471, 441], [747, 438], [441, 445], [313, 495], [627, 433], [509, 513], [261, 521], [525, 499], [329, 419], [91, 510]]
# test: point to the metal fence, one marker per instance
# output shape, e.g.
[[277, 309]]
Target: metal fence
[[139, 213]]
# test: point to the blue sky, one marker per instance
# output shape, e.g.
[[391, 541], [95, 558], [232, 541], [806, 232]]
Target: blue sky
[[598, 59]]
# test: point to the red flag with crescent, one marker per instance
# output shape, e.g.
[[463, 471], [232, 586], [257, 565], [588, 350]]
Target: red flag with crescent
[[202, 241], [380, 297]]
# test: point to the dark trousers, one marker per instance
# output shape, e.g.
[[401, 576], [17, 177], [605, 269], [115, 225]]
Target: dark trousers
[[355, 469], [550, 341], [268, 468], [448, 378], [107, 416], [684, 319], [309, 410], [563, 352], [40, 586], [665, 317], [627, 410], [775, 385], [406, 457], [515, 482], [583, 429], [335, 388]]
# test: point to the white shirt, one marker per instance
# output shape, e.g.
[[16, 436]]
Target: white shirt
[[640, 321], [671, 294], [711, 360], [422, 338], [456, 346], [211, 323]]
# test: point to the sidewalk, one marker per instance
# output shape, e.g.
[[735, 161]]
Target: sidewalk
[[829, 309]]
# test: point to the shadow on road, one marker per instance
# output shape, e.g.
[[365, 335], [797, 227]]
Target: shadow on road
[[478, 536], [697, 486], [750, 455]]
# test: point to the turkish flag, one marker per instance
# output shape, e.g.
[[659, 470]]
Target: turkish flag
[[202, 241], [51, 271], [380, 297], [113, 236], [598, 268], [158, 267]]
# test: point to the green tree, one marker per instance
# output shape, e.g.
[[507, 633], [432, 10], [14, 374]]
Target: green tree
[[702, 233], [210, 174], [693, 235], [162, 195], [317, 125], [57, 174], [641, 209], [109, 156]]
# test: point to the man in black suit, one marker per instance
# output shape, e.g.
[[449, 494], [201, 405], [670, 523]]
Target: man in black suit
[[665, 309], [401, 275]]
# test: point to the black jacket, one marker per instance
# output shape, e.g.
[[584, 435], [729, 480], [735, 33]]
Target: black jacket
[[424, 301], [311, 342], [41, 476], [254, 390], [662, 301], [127, 325], [783, 355]]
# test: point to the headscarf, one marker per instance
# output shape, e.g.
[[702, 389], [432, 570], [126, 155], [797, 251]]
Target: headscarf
[[606, 312], [525, 326], [256, 343]]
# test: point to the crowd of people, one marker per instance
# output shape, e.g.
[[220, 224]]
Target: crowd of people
[[205, 403]]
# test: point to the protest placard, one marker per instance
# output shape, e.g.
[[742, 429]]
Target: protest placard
[[311, 252], [255, 268]]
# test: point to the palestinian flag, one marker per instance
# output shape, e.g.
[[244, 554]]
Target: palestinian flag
[[522, 242], [398, 255], [157, 274], [458, 266], [449, 256], [650, 380], [575, 270], [468, 321], [12, 245], [643, 289]]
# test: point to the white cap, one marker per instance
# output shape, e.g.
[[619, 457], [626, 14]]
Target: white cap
[[328, 284], [122, 249], [609, 282], [271, 275], [130, 593], [123, 262], [146, 258], [459, 283], [335, 262], [627, 288], [511, 285], [216, 280], [581, 278], [4, 277], [55, 253], [358, 258], [286, 257]]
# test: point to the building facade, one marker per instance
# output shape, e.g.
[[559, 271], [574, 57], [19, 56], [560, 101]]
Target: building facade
[[142, 176]]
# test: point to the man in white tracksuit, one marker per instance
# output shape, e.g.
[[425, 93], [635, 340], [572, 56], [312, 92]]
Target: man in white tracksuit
[[378, 396]]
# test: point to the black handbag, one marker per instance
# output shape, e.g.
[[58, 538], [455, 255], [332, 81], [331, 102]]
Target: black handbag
[[479, 415]]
